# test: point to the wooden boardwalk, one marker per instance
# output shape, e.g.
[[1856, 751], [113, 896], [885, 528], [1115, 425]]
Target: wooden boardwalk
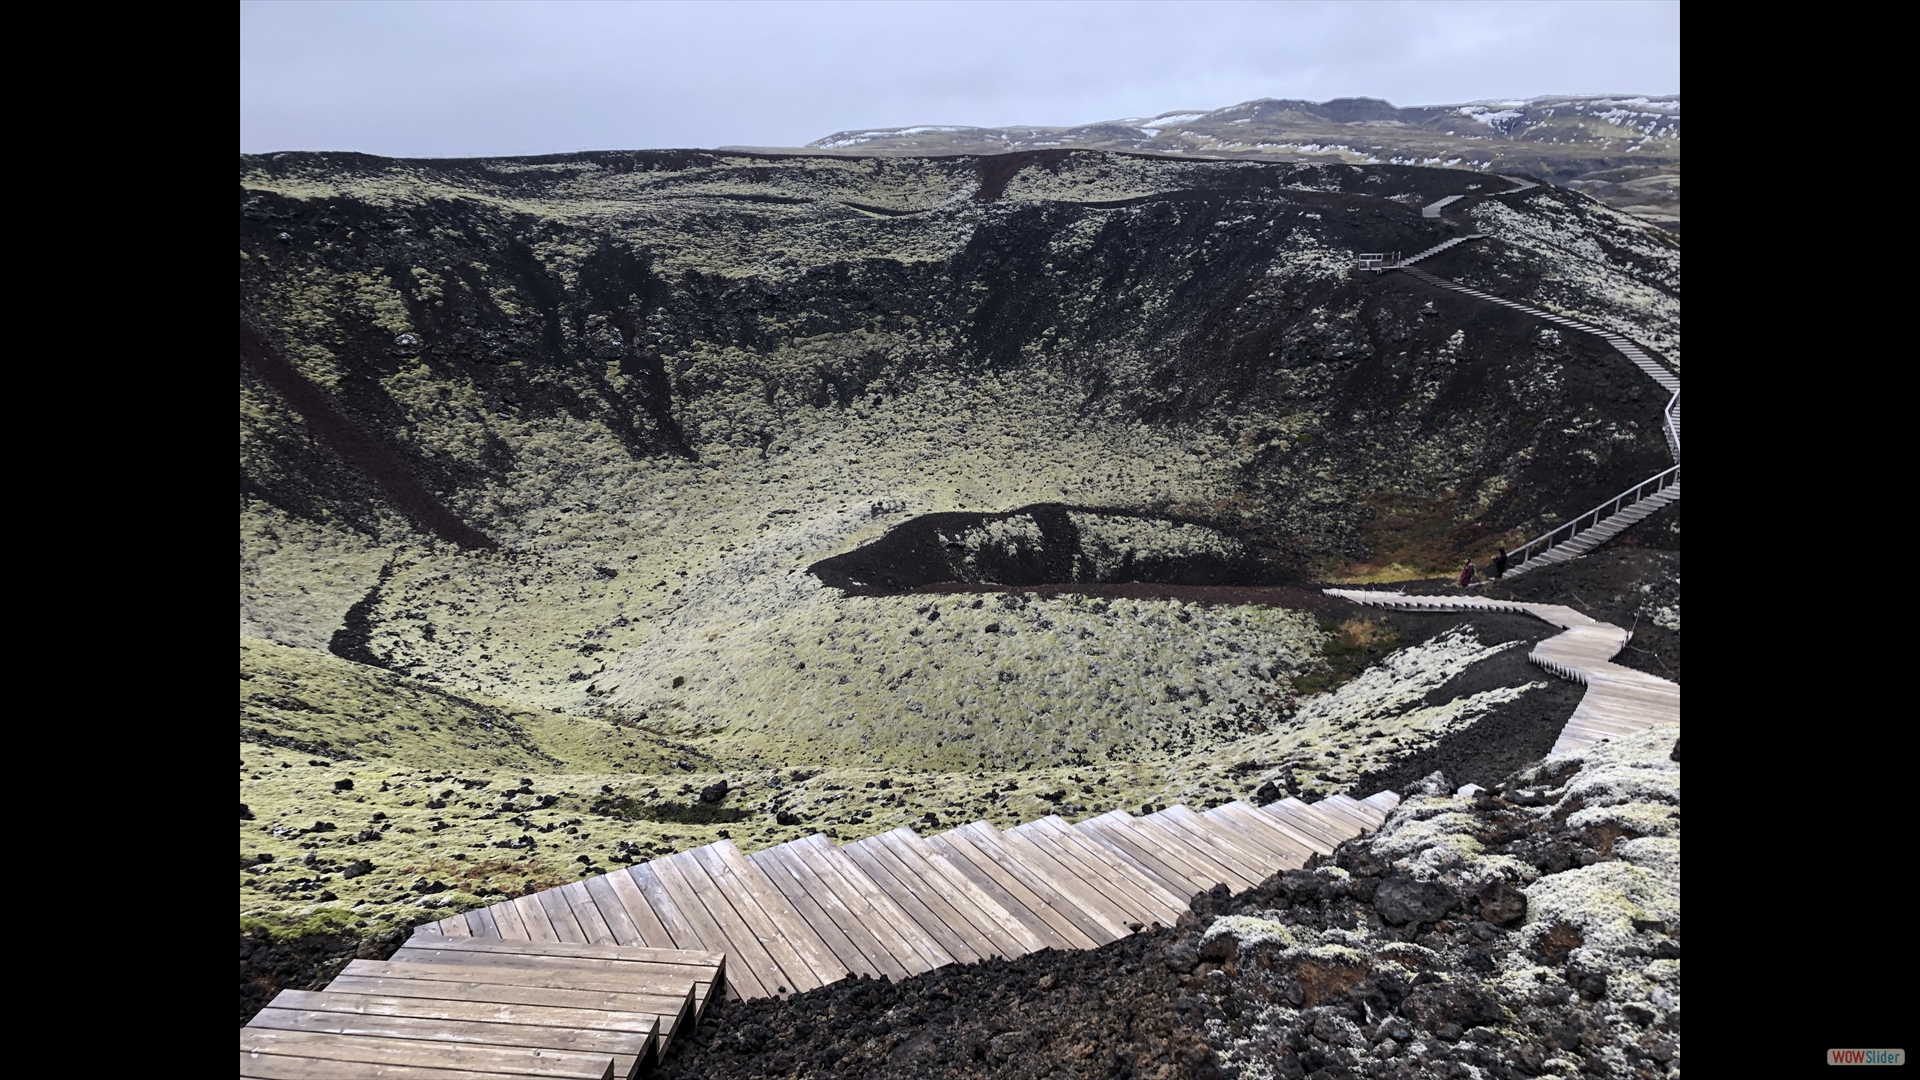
[[1619, 700], [480, 1009], [809, 913]]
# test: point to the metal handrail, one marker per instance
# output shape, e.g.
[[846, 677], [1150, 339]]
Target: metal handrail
[[1673, 427], [1595, 516], [1670, 426]]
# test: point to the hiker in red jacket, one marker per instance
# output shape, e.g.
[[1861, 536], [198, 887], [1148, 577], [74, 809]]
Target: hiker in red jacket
[[1466, 574]]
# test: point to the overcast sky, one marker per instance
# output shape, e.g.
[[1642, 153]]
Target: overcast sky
[[456, 79]]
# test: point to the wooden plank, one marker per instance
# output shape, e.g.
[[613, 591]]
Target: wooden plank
[[506, 919], [748, 947], [1358, 825], [490, 1000], [619, 921], [1637, 704], [1088, 879], [1202, 856], [676, 923], [1330, 833], [1119, 892], [1371, 816], [533, 915], [378, 1051], [1243, 819], [549, 971], [1298, 827], [1044, 919], [1022, 922], [1296, 851], [785, 918], [871, 935], [258, 1066], [984, 840], [1129, 849], [848, 880], [799, 974], [1171, 892], [1613, 720], [1600, 720], [560, 913], [1358, 809], [556, 974], [932, 890], [853, 955], [646, 921], [1197, 871], [1019, 850], [1274, 856], [1008, 936], [1247, 860], [750, 970], [1148, 890], [455, 926], [1231, 867], [953, 933], [515, 1000], [679, 929], [625, 1048], [420, 952], [650, 1027], [832, 863], [687, 908], [692, 959], [640, 1023], [672, 998], [1335, 824], [588, 913], [1240, 820], [480, 921], [1168, 911], [1383, 801]]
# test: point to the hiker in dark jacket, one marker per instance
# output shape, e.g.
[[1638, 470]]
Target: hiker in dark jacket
[[1466, 574], [1500, 565]]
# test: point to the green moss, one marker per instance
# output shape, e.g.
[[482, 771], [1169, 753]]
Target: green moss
[[1348, 649], [627, 808], [329, 921]]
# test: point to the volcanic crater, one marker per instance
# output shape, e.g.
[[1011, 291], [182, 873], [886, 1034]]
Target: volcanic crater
[[598, 506]]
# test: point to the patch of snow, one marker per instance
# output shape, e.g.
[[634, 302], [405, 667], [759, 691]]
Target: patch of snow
[[1501, 121], [1171, 120]]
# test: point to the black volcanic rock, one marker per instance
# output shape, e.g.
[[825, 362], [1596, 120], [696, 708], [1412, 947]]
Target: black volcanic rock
[[1402, 900]]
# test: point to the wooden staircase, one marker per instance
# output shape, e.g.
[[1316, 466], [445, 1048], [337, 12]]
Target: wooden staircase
[[1432, 210], [467, 1008], [1619, 700], [809, 913], [1601, 523], [1436, 249], [595, 978]]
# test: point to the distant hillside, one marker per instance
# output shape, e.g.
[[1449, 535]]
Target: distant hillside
[[1624, 151]]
